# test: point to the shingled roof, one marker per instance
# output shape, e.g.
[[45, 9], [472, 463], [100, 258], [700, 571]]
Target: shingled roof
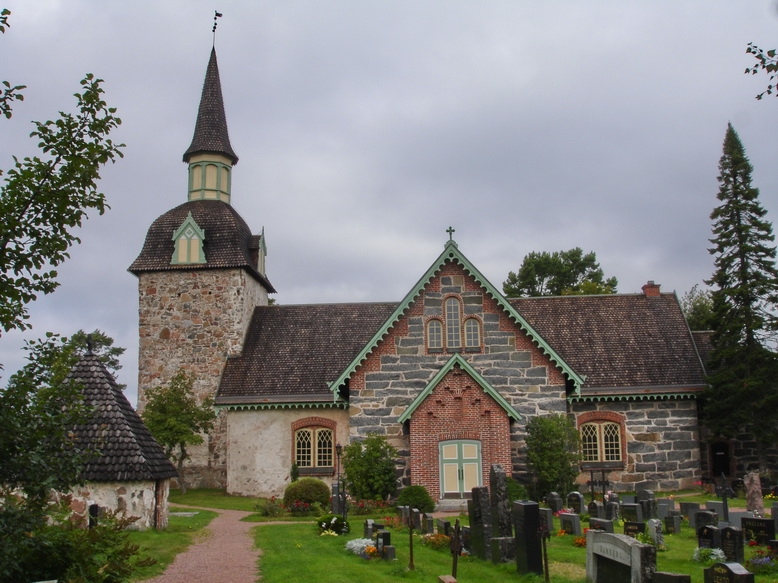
[[291, 353], [210, 135], [621, 343], [128, 452], [228, 240]]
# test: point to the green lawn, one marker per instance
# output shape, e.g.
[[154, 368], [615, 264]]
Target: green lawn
[[295, 552]]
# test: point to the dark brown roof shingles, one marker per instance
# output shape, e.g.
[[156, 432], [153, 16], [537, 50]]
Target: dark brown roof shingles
[[127, 450]]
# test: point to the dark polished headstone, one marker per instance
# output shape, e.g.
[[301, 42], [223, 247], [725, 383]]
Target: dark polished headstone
[[570, 523], [576, 502], [554, 501], [733, 544], [634, 528], [596, 509], [601, 524], [762, 530], [728, 573], [673, 524], [526, 522], [632, 512], [708, 537]]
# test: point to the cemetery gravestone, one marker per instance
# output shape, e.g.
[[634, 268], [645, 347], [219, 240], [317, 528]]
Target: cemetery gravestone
[[554, 502], [688, 507], [760, 530], [596, 509], [526, 522], [699, 518], [754, 502], [547, 519], [612, 558], [632, 513], [612, 511], [367, 530], [601, 524], [647, 501], [632, 529], [570, 523], [728, 573], [501, 506], [427, 523], [576, 502], [654, 527], [708, 537], [732, 543], [480, 511], [415, 519], [444, 526], [673, 524], [661, 577], [717, 507]]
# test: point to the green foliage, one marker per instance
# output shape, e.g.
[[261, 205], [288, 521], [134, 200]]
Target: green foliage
[[176, 419], [9, 93], [742, 393], [308, 490], [58, 549], [559, 273], [44, 199], [369, 466], [697, 306], [294, 473], [765, 61], [272, 507], [516, 491], [552, 453], [416, 497]]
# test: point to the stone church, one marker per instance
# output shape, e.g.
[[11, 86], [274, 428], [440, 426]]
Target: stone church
[[450, 374]]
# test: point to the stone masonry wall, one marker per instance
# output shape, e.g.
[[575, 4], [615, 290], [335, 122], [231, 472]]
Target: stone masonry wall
[[401, 367], [662, 443], [194, 320]]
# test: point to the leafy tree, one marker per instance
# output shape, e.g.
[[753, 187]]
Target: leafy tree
[[743, 392], [559, 273], [765, 61], [370, 468], [553, 453], [44, 198], [177, 420], [697, 306]]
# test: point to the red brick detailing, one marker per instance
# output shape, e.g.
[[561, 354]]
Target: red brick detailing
[[651, 289], [603, 417], [457, 409], [313, 422]]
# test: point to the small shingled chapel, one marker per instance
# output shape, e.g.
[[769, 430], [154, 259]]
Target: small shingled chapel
[[450, 374]]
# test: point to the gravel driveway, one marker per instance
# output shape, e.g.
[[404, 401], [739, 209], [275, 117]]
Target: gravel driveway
[[225, 555]]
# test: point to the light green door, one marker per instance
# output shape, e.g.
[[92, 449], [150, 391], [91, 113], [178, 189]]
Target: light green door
[[460, 467]]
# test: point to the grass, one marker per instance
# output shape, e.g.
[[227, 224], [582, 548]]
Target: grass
[[163, 546], [295, 552]]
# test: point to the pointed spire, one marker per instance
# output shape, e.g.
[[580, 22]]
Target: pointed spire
[[210, 135]]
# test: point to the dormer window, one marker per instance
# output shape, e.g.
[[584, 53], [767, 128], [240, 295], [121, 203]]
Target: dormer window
[[188, 238]]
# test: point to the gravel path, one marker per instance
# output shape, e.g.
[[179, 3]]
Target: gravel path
[[226, 554]]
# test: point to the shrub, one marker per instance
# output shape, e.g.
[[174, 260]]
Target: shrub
[[271, 507], [416, 497], [362, 507], [552, 453], [516, 491], [308, 491], [437, 541], [370, 468], [334, 523]]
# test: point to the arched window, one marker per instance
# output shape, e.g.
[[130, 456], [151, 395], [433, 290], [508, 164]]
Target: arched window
[[314, 448], [472, 334], [601, 442], [453, 315], [435, 335]]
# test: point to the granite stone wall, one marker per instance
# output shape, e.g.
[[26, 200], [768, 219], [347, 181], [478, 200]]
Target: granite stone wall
[[401, 367], [661, 442]]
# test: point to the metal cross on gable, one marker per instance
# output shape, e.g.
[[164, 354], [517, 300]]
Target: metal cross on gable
[[450, 232]]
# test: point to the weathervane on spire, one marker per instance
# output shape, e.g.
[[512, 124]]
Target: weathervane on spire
[[216, 14]]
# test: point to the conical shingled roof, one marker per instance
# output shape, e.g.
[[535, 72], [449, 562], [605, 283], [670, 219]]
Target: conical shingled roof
[[127, 450], [210, 133]]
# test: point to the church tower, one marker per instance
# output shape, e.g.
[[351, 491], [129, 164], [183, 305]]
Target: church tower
[[201, 273]]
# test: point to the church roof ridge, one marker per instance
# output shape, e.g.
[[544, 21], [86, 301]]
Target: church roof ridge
[[210, 134]]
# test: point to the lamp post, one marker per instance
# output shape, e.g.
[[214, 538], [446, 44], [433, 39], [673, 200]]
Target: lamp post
[[341, 488]]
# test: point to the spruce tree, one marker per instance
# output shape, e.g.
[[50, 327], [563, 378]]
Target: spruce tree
[[743, 393]]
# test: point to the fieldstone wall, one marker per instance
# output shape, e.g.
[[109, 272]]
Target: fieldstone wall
[[133, 499], [661, 440], [194, 320], [401, 367]]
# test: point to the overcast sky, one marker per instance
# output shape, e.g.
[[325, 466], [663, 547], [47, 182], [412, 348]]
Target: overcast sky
[[366, 128]]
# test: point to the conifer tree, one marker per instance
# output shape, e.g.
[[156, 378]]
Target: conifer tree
[[743, 394]]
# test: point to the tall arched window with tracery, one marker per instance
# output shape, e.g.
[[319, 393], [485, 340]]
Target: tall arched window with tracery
[[472, 334], [435, 336], [601, 442], [453, 318], [314, 446]]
